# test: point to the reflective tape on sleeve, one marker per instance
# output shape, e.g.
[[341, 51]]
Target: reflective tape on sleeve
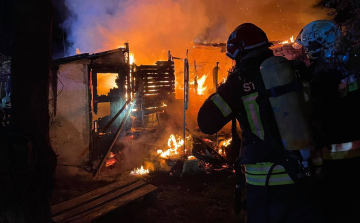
[[222, 105], [342, 151]]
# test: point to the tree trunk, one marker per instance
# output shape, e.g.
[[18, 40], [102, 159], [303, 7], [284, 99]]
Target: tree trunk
[[31, 62]]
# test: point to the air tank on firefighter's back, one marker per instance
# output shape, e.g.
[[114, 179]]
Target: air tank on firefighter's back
[[289, 108]]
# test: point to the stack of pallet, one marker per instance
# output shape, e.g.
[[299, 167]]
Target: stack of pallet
[[94, 204]]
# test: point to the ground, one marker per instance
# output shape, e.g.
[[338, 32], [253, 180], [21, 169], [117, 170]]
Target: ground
[[195, 198]]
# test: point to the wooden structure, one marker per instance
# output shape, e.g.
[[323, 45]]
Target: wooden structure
[[159, 85], [96, 203], [74, 99]]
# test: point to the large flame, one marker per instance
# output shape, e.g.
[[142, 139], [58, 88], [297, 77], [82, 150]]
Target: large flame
[[131, 58], [173, 144], [140, 171], [201, 85]]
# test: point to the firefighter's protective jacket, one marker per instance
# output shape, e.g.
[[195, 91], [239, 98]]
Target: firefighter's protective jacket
[[239, 97], [336, 110]]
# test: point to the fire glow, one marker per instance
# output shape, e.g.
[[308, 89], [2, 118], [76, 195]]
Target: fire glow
[[191, 158], [173, 144], [287, 41], [131, 58], [111, 161], [201, 82], [225, 143], [139, 171]]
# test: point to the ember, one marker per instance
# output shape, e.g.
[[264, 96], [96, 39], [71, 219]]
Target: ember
[[140, 171], [111, 161]]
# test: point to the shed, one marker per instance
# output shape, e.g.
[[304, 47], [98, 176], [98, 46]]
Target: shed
[[73, 101]]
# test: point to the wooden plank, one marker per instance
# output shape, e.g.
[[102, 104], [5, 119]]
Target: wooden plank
[[93, 214], [59, 208], [98, 202]]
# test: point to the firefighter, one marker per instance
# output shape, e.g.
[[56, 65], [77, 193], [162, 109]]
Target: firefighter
[[336, 118], [276, 191]]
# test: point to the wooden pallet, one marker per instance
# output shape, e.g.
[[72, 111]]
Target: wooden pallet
[[100, 201]]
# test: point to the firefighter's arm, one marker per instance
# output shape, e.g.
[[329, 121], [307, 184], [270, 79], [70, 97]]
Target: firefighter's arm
[[219, 108]]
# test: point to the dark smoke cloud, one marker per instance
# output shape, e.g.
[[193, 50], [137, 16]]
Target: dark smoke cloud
[[154, 26]]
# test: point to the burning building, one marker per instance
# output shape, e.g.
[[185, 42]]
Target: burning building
[[78, 113], [159, 85]]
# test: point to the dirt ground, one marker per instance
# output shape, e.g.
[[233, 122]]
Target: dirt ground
[[193, 198]]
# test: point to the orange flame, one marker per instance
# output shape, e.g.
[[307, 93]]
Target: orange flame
[[191, 158], [140, 171], [287, 41], [292, 39], [173, 144], [201, 82], [225, 143], [111, 161], [77, 51]]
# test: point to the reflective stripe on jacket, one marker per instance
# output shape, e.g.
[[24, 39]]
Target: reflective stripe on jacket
[[256, 174], [342, 151], [221, 105]]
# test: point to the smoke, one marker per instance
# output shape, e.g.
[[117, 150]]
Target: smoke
[[153, 27]]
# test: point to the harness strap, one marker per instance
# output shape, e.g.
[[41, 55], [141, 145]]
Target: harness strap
[[277, 91]]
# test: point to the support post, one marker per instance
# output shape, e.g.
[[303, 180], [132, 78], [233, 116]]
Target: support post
[[216, 82], [186, 93]]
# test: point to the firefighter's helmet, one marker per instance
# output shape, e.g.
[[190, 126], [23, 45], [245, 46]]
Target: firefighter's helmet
[[245, 38], [319, 38]]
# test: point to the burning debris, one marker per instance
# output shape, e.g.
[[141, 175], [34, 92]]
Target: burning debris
[[173, 144], [111, 160], [225, 143], [140, 171]]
